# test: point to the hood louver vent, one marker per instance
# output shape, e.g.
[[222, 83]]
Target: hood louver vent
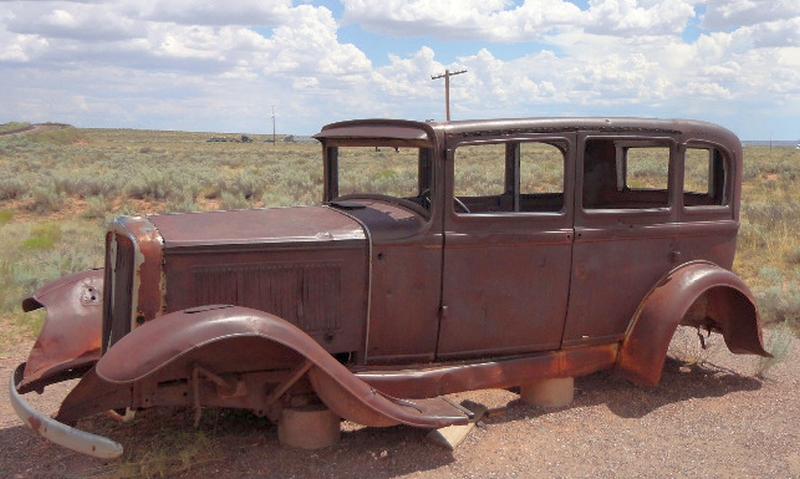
[[308, 294]]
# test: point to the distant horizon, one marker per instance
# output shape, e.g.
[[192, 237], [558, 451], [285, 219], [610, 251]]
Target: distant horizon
[[745, 141], [771, 142]]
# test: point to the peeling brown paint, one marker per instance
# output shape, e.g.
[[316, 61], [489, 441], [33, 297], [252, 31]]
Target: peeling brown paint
[[377, 305]]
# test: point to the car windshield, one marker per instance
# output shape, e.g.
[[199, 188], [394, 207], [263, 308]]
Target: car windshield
[[390, 171], [397, 172]]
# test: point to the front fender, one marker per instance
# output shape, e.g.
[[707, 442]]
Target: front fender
[[213, 336], [727, 304], [69, 342]]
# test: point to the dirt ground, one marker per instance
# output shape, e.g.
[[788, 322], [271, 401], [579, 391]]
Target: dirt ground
[[711, 416]]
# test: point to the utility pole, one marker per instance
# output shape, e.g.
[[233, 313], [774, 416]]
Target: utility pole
[[273, 123], [446, 75]]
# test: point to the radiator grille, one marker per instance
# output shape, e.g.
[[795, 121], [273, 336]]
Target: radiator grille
[[307, 295], [118, 288]]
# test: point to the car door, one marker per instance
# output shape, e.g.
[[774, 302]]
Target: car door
[[508, 245], [625, 231]]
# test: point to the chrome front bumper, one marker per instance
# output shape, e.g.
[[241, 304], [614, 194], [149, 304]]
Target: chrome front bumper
[[59, 433]]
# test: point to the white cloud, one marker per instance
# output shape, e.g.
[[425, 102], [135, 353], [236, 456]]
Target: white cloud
[[307, 44], [779, 33], [77, 21], [194, 64], [463, 19], [493, 21], [724, 15], [204, 12], [21, 48], [637, 17]]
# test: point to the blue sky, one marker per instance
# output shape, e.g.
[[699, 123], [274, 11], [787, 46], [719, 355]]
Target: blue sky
[[212, 66]]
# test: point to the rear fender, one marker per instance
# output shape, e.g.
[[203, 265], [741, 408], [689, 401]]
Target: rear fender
[[69, 343], [212, 337], [699, 294]]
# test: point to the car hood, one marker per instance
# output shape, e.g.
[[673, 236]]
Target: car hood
[[309, 224]]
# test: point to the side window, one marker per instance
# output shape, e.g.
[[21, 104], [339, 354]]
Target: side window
[[519, 176], [705, 177], [622, 174], [541, 177], [479, 172]]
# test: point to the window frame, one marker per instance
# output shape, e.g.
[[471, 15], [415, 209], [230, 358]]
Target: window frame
[[512, 174], [652, 214], [721, 179]]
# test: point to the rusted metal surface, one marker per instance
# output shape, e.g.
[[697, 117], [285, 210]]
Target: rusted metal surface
[[438, 379], [134, 281], [259, 228], [307, 265], [377, 305], [182, 339], [726, 306], [60, 433], [70, 338]]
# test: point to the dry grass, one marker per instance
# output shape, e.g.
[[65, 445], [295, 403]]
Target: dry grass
[[59, 189]]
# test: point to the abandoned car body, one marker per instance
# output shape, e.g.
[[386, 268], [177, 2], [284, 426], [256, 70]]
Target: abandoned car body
[[445, 257]]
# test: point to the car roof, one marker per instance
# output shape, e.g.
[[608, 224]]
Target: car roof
[[392, 129]]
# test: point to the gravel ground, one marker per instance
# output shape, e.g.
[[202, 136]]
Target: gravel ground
[[712, 416]]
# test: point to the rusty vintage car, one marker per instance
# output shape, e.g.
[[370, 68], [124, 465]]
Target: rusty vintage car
[[444, 257]]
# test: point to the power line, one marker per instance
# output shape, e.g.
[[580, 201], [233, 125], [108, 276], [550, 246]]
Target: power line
[[446, 75]]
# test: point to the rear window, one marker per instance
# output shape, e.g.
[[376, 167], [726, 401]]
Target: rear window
[[706, 172], [626, 174]]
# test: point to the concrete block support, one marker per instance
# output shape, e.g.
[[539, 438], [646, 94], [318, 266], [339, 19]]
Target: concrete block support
[[311, 427], [556, 392]]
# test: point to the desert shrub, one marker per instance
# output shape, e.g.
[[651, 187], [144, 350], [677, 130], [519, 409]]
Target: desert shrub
[[151, 184], [96, 208], [44, 199], [211, 192], [12, 126], [185, 204], [248, 184], [779, 344], [82, 185], [66, 135], [233, 201], [299, 185], [11, 189], [771, 213], [793, 255], [780, 303]]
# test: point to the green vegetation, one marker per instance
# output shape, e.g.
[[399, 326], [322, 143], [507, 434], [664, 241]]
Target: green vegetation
[[5, 216], [168, 454], [779, 344], [43, 236], [35, 252], [768, 254], [13, 126], [59, 187], [153, 170]]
